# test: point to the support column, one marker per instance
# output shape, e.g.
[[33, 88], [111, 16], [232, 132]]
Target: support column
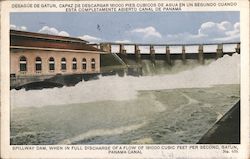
[[237, 49], [123, 53], [121, 46], [137, 54], [219, 51], [152, 54], [168, 58], [183, 56], [105, 47], [200, 54]]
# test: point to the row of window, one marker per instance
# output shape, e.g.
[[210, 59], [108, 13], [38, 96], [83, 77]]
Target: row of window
[[38, 64]]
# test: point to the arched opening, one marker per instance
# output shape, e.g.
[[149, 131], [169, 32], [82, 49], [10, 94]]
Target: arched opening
[[23, 63], [38, 64], [84, 64], [74, 64], [51, 64], [63, 64], [93, 64]]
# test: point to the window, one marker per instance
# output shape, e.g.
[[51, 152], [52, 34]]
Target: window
[[51, 64], [38, 64], [23, 63], [74, 64], [84, 64], [63, 64], [93, 64]]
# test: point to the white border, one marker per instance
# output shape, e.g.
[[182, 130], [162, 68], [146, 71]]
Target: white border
[[7, 152]]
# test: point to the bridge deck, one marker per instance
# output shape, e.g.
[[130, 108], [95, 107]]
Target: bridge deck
[[175, 56]]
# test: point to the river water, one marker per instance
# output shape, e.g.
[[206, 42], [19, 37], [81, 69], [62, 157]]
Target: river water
[[168, 107]]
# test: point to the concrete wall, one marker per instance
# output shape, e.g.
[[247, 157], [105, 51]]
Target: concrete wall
[[45, 55]]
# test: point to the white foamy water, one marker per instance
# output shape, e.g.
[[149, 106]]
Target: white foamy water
[[101, 132], [225, 70]]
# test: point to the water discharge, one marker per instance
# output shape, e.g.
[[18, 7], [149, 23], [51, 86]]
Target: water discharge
[[225, 70], [170, 107]]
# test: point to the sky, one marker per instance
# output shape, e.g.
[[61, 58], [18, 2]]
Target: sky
[[148, 27]]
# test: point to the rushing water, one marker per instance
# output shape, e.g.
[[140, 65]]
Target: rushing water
[[174, 106]]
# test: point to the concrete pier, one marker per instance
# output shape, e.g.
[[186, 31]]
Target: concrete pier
[[183, 54], [137, 54], [237, 49], [123, 53], [152, 54], [219, 51], [168, 58], [200, 54]]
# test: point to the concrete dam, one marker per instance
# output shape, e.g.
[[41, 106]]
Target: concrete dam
[[132, 59], [177, 107]]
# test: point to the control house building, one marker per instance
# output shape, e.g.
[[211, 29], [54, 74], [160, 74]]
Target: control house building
[[41, 55]]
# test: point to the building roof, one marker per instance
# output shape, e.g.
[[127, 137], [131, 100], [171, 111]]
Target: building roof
[[46, 36], [24, 39]]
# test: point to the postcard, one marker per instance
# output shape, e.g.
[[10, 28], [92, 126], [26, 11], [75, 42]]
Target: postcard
[[125, 79]]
